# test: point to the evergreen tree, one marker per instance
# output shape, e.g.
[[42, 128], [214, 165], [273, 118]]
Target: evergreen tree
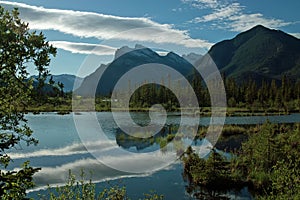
[[18, 48]]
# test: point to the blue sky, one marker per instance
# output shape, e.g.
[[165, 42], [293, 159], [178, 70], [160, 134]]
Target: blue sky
[[76, 27]]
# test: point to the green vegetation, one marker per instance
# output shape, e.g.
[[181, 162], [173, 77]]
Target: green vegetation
[[231, 138], [264, 154], [268, 163], [260, 53], [280, 95], [86, 190], [245, 99], [18, 48], [209, 178], [248, 98], [270, 97]]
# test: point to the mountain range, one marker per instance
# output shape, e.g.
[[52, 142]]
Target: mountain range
[[126, 59], [67, 79], [259, 53]]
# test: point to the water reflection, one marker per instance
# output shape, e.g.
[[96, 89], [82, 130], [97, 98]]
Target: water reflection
[[60, 149]]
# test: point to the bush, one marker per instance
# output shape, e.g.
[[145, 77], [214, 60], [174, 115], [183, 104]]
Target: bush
[[86, 190]]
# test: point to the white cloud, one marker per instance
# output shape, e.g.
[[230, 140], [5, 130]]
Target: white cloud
[[246, 21], [220, 13], [73, 149], [202, 4], [103, 27], [232, 16], [177, 9], [297, 35], [100, 169], [57, 175], [84, 48], [108, 156]]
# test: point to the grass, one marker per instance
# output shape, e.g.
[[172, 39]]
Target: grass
[[89, 104], [230, 130]]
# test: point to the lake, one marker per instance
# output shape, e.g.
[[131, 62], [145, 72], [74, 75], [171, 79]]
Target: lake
[[60, 149]]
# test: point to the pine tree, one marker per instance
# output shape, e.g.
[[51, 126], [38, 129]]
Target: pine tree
[[18, 48]]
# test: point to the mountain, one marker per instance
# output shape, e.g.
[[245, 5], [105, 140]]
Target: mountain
[[67, 79], [192, 57], [126, 59], [259, 53]]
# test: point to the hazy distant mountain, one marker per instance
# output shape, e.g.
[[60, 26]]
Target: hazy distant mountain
[[126, 59], [67, 79], [259, 53], [192, 57]]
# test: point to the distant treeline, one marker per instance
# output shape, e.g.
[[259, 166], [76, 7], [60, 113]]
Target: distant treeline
[[281, 94], [270, 96]]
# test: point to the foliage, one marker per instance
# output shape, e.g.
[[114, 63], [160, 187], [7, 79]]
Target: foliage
[[229, 130], [260, 53], [247, 98], [208, 178], [285, 180], [86, 190], [271, 157], [268, 163], [272, 96], [19, 48]]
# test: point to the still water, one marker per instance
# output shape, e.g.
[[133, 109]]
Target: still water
[[60, 149]]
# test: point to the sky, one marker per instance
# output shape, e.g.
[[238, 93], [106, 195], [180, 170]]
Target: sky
[[84, 28]]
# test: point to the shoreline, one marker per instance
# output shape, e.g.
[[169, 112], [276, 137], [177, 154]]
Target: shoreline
[[206, 112]]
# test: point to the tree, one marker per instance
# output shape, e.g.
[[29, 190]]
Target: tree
[[270, 161], [19, 48], [208, 178], [61, 88]]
